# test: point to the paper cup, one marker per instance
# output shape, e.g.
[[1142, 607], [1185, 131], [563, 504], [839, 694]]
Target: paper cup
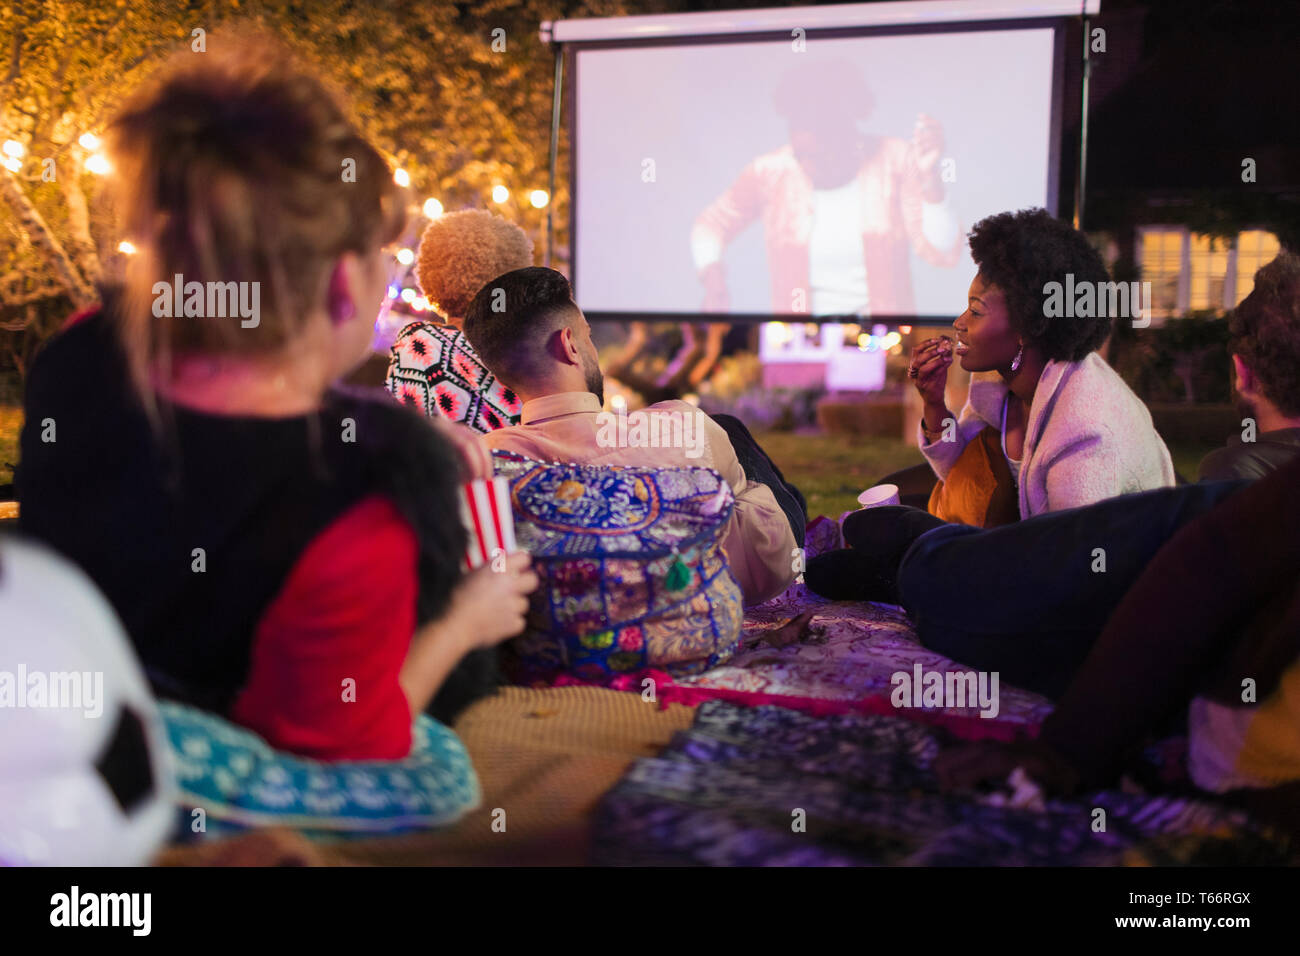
[[879, 495]]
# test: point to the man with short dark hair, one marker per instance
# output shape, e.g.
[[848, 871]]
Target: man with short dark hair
[[527, 329], [1264, 342]]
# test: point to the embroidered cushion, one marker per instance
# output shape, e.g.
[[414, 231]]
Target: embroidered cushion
[[239, 781], [633, 572]]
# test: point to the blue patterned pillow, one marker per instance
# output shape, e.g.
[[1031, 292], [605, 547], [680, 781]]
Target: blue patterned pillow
[[633, 571], [239, 781]]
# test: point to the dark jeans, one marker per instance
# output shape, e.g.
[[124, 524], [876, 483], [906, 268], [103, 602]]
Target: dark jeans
[[1024, 599], [758, 467]]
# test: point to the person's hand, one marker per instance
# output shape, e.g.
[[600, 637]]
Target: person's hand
[[716, 298], [927, 143], [475, 459], [487, 606], [929, 369], [490, 606], [987, 761]]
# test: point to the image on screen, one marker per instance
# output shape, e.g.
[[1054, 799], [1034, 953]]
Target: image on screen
[[749, 178]]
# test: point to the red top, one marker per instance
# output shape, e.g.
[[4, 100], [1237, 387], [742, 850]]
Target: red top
[[324, 666]]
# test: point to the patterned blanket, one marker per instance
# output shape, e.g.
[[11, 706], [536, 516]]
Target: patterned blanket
[[847, 665], [751, 786]]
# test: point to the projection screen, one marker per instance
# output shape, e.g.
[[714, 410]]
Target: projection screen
[[773, 171]]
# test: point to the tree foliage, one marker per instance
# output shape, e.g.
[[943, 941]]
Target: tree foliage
[[459, 95]]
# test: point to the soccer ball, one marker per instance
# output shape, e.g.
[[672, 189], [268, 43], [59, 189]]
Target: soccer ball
[[85, 773]]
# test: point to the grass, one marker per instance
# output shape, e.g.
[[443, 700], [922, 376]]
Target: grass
[[832, 469], [1187, 456]]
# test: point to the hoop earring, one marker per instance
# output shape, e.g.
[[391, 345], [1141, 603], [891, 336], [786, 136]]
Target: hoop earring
[[1015, 362]]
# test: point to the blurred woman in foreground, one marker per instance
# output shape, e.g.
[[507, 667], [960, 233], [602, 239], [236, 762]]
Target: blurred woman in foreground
[[282, 552]]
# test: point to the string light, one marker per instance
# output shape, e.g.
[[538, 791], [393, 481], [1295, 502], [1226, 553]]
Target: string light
[[89, 141], [13, 165], [500, 194], [126, 247], [405, 256], [432, 208], [99, 165], [14, 148], [401, 177], [539, 198], [408, 295]]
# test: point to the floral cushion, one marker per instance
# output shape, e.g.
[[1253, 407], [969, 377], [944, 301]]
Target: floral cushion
[[239, 781]]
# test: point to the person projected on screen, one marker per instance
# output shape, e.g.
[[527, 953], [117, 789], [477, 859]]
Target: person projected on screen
[[841, 210]]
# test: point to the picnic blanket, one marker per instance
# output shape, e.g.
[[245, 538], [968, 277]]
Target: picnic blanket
[[547, 755], [846, 665], [748, 786]]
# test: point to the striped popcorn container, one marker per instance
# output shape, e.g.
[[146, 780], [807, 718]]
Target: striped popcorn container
[[485, 510]]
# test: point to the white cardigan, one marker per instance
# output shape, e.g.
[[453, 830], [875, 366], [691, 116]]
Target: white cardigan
[[1088, 438]]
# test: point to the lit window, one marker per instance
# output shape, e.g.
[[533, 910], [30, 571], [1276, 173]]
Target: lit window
[[1162, 266], [1255, 248], [1209, 268]]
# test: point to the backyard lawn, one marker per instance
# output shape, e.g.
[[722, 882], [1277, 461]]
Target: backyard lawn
[[832, 469]]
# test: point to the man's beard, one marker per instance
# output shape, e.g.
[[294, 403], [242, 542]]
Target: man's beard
[[595, 379]]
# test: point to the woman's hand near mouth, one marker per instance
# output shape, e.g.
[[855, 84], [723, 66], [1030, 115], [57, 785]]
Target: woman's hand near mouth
[[929, 371]]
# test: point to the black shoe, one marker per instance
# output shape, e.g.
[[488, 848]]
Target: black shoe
[[851, 575], [887, 532]]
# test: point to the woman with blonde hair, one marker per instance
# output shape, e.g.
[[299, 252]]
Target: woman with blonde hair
[[283, 552]]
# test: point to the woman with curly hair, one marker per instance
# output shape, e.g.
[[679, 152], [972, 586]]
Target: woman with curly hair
[[1048, 424], [1068, 428], [432, 366]]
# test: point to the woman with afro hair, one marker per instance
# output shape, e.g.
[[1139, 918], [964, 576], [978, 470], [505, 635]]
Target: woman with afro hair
[[1067, 427], [432, 366], [1048, 424]]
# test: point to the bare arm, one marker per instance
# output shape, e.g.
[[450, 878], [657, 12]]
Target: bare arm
[[487, 607]]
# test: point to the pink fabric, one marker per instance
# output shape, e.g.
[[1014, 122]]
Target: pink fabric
[[667, 691]]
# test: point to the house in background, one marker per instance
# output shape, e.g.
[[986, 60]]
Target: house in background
[[1193, 199]]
